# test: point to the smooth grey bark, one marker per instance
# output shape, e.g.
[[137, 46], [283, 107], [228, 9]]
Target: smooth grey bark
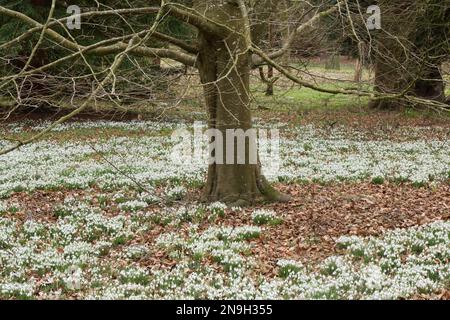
[[224, 66]]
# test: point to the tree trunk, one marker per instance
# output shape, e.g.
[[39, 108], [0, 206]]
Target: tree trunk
[[224, 66], [358, 70], [431, 86], [333, 62], [285, 16], [269, 80], [361, 61], [423, 81], [393, 51], [390, 77], [269, 89], [265, 27]]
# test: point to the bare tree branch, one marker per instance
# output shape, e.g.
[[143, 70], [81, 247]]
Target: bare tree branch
[[290, 40], [132, 44]]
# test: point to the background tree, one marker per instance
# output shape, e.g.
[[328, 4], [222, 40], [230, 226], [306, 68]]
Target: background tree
[[410, 49]]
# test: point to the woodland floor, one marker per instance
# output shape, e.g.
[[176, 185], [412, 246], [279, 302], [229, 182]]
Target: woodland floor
[[97, 210]]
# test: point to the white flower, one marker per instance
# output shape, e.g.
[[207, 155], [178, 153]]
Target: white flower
[[133, 205], [176, 193], [263, 216]]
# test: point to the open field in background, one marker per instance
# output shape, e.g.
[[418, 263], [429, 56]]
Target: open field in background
[[289, 100], [97, 209]]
